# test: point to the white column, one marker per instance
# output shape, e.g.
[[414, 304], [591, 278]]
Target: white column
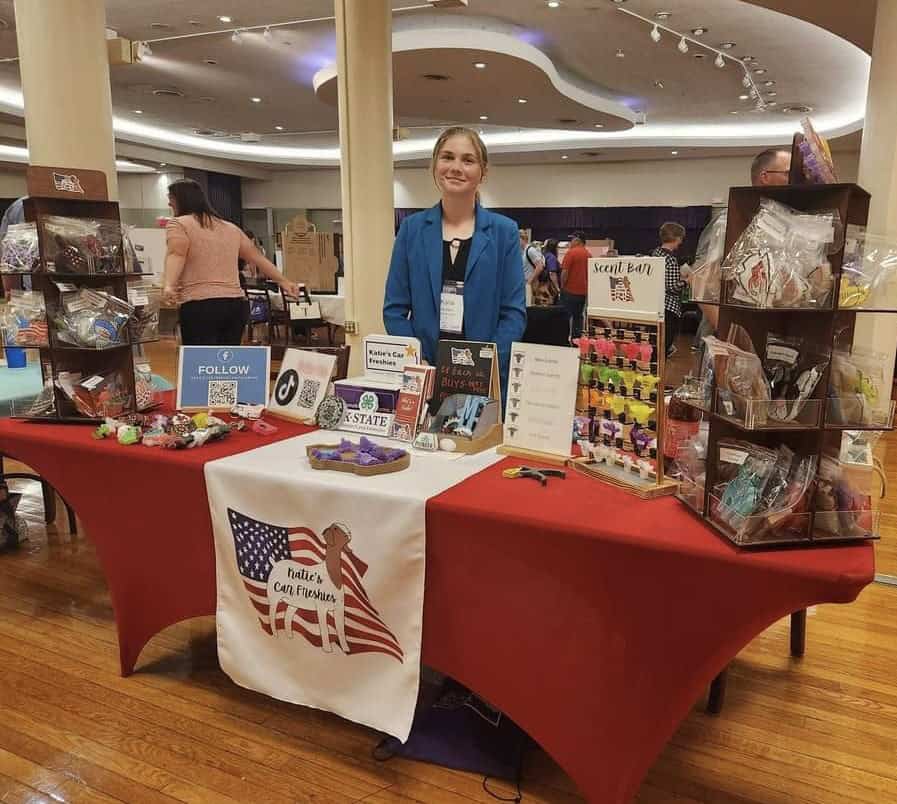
[[65, 81], [878, 167], [364, 79]]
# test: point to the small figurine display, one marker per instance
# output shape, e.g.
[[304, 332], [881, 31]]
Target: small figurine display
[[178, 431], [364, 458]]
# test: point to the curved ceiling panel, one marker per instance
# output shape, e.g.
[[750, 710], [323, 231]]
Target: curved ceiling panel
[[434, 78]]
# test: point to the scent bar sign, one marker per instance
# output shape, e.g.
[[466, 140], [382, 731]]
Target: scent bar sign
[[627, 287], [217, 377]]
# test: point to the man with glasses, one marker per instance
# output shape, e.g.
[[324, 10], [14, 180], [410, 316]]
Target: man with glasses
[[771, 167]]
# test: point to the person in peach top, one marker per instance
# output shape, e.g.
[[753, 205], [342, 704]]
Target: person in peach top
[[201, 269]]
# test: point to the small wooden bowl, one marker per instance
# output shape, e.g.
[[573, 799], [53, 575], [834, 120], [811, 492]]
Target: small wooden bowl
[[354, 468]]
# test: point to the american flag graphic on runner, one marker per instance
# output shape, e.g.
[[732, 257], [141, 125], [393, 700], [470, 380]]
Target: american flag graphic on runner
[[259, 546]]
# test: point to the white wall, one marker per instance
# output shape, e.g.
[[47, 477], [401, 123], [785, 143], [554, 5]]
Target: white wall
[[12, 185], [647, 183], [145, 190]]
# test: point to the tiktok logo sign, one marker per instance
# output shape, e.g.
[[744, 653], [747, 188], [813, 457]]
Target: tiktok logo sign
[[301, 384]]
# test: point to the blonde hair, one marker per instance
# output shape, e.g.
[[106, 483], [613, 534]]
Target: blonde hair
[[478, 146]]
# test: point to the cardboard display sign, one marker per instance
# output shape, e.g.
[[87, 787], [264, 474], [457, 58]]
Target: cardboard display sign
[[541, 398], [301, 384], [218, 377], [309, 256], [627, 287], [466, 367]]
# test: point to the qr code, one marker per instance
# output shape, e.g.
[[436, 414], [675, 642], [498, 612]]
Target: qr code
[[222, 393], [309, 393]]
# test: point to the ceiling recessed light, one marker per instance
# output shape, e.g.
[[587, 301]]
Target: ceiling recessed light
[[138, 111], [484, 117], [564, 156], [278, 128], [194, 22], [599, 125], [521, 100], [675, 153], [480, 65], [769, 83], [662, 15], [256, 100], [797, 108], [620, 54], [743, 97], [619, 2], [162, 164], [553, 3], [748, 58], [211, 61], [225, 19], [760, 71], [726, 45], [734, 111], [772, 103], [771, 94], [700, 56], [699, 31], [160, 26]]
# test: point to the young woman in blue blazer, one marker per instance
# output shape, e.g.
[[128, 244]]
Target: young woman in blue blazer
[[456, 270]]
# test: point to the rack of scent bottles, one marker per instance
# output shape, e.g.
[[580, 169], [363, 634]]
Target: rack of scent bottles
[[619, 424]]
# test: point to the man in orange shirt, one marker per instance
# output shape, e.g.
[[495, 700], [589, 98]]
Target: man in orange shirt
[[575, 281]]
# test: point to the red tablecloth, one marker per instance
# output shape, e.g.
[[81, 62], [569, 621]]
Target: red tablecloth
[[593, 619]]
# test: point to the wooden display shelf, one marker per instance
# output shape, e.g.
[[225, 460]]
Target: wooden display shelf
[[56, 357], [817, 326], [647, 489]]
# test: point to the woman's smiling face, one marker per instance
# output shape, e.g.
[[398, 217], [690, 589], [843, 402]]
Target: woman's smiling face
[[458, 169]]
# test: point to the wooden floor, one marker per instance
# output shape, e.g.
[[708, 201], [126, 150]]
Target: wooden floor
[[821, 730]]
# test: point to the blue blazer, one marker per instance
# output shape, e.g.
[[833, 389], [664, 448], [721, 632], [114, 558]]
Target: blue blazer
[[494, 299]]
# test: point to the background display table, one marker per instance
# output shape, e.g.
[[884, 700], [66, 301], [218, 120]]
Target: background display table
[[591, 618], [18, 385]]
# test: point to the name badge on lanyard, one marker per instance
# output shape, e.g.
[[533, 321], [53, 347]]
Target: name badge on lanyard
[[451, 308]]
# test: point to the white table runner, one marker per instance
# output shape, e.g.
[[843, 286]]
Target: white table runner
[[310, 545]]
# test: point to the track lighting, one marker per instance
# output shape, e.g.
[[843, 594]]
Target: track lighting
[[683, 45], [655, 34], [719, 61], [746, 81], [267, 34], [235, 37]]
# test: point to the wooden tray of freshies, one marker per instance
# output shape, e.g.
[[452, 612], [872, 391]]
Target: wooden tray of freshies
[[385, 459]]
